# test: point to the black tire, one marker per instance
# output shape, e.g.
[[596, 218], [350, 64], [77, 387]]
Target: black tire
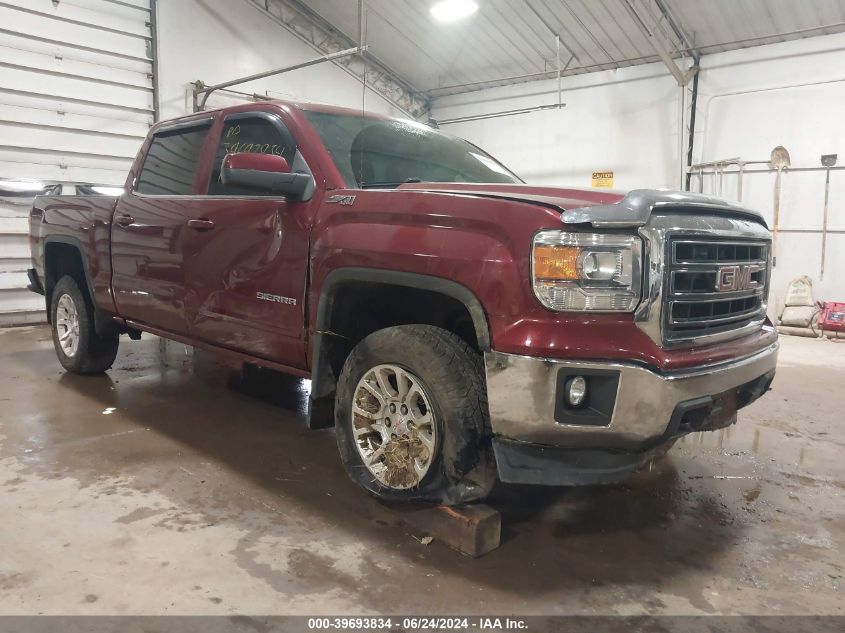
[[95, 353], [462, 467]]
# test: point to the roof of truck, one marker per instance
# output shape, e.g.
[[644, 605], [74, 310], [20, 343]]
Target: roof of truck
[[305, 107]]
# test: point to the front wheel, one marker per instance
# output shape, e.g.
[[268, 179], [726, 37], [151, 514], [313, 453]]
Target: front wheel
[[411, 417], [80, 349]]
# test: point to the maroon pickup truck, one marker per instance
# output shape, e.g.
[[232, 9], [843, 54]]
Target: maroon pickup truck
[[456, 324]]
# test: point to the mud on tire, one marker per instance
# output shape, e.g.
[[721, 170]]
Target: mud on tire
[[460, 467], [92, 353]]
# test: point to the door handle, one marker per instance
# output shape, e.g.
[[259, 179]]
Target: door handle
[[201, 225], [124, 219]]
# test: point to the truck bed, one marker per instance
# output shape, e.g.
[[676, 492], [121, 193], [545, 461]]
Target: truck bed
[[83, 222]]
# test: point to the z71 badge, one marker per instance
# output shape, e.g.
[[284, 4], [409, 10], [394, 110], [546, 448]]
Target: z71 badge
[[341, 199], [266, 296]]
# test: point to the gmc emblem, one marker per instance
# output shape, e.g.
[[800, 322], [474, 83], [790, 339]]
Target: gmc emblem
[[733, 278]]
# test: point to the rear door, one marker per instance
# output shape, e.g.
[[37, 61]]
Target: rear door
[[246, 259], [149, 227]]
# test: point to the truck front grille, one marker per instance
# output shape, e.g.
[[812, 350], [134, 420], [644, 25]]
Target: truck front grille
[[714, 286]]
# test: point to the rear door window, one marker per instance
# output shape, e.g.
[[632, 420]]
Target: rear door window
[[171, 163]]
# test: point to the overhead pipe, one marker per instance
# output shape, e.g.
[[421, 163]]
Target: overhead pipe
[[206, 91], [552, 30], [502, 113], [494, 115]]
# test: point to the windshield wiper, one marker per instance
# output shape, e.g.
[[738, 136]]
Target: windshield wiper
[[377, 185]]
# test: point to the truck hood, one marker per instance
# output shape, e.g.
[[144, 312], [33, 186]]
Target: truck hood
[[596, 207]]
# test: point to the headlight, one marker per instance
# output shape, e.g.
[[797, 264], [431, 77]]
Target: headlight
[[587, 271]]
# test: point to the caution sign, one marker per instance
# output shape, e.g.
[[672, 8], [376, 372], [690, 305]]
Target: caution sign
[[603, 179]]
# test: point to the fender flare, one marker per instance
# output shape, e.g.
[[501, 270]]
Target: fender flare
[[100, 321], [447, 287], [323, 380]]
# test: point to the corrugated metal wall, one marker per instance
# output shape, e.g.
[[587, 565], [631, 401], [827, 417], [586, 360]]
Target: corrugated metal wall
[[76, 100]]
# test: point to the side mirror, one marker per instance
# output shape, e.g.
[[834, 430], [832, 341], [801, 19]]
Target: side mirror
[[266, 173]]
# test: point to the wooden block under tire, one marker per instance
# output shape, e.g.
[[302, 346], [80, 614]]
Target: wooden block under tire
[[473, 530]]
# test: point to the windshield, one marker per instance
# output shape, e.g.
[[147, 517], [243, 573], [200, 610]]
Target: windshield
[[387, 153]]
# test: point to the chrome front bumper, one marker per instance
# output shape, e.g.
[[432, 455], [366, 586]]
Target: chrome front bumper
[[522, 392]]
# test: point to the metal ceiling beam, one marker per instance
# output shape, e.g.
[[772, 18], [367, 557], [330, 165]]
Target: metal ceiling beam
[[553, 31], [309, 27], [681, 76], [675, 25]]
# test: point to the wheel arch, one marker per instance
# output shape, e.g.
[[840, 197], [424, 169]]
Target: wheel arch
[[64, 255], [449, 304]]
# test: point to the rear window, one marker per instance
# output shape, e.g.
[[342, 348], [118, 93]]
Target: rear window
[[171, 163]]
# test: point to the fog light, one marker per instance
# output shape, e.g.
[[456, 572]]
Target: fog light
[[576, 391]]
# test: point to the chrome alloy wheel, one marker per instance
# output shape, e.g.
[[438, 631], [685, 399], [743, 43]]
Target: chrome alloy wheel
[[393, 426], [67, 325]]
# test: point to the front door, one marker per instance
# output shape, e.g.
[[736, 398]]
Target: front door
[[247, 253], [149, 227]]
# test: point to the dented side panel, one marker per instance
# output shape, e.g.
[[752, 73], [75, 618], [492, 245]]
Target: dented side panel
[[248, 275]]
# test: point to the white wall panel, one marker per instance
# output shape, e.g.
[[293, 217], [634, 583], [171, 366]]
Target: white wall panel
[[627, 121], [13, 225], [61, 49], [76, 100], [89, 70], [80, 28], [23, 80], [13, 246], [53, 119], [31, 136], [49, 165], [232, 38]]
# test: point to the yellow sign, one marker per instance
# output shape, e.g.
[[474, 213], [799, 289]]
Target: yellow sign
[[603, 179]]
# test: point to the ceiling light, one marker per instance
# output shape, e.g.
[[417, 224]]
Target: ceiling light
[[452, 10], [21, 186], [107, 191]]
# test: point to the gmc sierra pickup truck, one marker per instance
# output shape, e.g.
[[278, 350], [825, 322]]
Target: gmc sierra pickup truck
[[456, 324]]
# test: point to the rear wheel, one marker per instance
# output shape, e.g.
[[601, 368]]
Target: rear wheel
[[411, 417], [80, 349]]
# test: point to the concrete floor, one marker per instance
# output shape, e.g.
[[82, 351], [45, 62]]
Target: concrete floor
[[162, 488]]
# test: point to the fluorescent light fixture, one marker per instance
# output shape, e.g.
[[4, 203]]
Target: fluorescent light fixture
[[21, 186], [452, 10], [107, 191]]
